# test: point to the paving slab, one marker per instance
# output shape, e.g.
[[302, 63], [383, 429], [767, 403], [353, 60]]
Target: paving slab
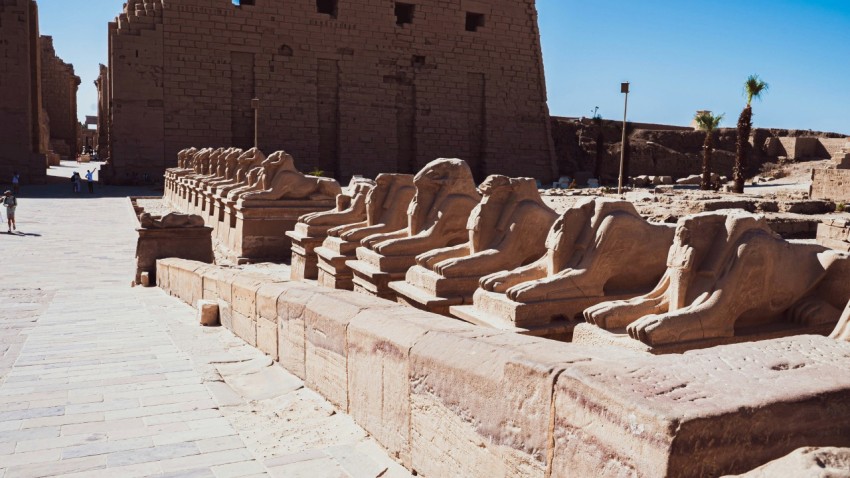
[[99, 379]]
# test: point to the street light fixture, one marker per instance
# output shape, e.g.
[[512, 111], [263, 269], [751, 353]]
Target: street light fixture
[[624, 88]]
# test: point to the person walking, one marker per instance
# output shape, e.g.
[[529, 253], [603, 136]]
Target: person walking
[[90, 181], [10, 202], [16, 183], [75, 178]]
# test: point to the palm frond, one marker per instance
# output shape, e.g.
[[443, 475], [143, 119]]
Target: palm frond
[[707, 121], [754, 87]]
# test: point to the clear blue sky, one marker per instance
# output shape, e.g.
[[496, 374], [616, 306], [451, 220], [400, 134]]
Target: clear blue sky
[[681, 56]]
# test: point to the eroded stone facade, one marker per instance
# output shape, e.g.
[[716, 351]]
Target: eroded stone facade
[[357, 87], [21, 114], [59, 94]]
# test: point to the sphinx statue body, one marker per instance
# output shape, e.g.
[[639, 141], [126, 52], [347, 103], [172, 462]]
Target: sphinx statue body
[[597, 250], [729, 277], [507, 229], [385, 211], [281, 180], [312, 229], [436, 218]]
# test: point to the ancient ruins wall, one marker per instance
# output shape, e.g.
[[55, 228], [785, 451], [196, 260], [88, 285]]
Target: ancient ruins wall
[[833, 184], [103, 116], [659, 150], [59, 87], [451, 399], [20, 92], [349, 93], [136, 101]]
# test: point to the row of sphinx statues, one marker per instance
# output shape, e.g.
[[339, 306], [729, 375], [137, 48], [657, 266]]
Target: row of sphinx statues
[[495, 254], [246, 174]]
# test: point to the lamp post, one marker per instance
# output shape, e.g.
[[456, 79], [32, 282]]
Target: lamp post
[[255, 103], [624, 88]]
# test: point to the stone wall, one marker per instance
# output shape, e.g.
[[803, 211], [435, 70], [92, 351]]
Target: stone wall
[[59, 87], [832, 184], [21, 113], [835, 233], [447, 398], [364, 89], [659, 150], [103, 116]]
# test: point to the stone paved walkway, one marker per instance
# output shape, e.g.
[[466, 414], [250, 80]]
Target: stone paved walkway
[[101, 379]]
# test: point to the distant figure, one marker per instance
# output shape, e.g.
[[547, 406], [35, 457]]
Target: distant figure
[[75, 179], [10, 202], [90, 181], [16, 183]]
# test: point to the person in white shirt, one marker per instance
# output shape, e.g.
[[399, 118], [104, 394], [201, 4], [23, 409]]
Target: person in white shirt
[[10, 202], [90, 181]]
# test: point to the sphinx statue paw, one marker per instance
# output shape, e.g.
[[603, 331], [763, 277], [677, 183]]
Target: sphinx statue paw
[[526, 292], [494, 283], [449, 268], [651, 330], [603, 315], [813, 311]]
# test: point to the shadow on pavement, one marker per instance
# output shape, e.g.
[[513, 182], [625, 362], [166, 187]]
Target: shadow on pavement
[[65, 190]]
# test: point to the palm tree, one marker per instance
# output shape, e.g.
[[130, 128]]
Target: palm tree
[[708, 122], [753, 88]]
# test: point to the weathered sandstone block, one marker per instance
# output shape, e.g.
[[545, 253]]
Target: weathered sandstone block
[[481, 401], [709, 412], [291, 308], [326, 320], [378, 351], [208, 313]]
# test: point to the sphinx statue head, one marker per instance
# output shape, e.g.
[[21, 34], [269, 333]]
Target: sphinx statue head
[[184, 156], [435, 182]]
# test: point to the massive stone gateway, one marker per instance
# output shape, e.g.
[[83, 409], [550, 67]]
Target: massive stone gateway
[[356, 87], [21, 114]]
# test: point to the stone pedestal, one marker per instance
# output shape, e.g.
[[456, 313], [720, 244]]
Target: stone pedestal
[[551, 318], [429, 291], [192, 243], [373, 272], [305, 239], [255, 230], [332, 268], [588, 334]]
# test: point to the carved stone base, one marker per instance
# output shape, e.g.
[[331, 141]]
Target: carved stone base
[[494, 309], [373, 272], [257, 229], [429, 291], [589, 334], [368, 279], [305, 263], [332, 257]]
